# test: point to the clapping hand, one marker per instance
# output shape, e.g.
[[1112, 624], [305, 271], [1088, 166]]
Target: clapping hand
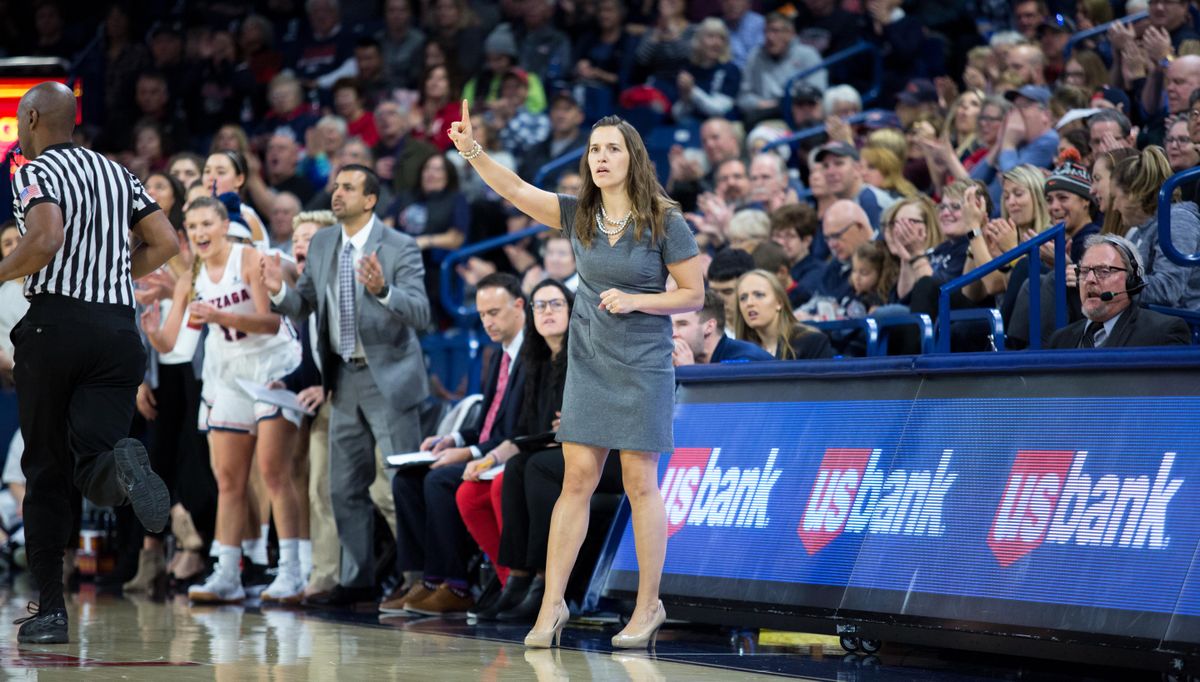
[[370, 274], [270, 271], [1001, 235]]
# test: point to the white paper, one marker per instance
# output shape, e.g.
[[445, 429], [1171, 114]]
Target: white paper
[[280, 397], [491, 473], [406, 459]]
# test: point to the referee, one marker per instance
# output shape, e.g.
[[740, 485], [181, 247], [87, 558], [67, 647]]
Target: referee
[[79, 358]]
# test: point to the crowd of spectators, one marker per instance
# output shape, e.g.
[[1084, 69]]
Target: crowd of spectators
[[985, 132]]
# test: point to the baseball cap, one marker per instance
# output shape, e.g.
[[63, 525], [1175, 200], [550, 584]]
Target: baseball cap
[[805, 92], [563, 96], [918, 91], [1113, 96], [1058, 23], [837, 149], [875, 120], [1037, 93], [520, 74]]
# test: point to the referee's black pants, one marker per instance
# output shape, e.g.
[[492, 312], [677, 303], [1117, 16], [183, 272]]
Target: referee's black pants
[[77, 368]]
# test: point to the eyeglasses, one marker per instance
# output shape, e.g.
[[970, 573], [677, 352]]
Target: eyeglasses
[[990, 119], [1102, 272], [950, 207], [837, 236], [555, 304], [1180, 140]]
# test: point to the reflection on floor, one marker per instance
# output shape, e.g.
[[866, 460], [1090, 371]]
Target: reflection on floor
[[132, 638]]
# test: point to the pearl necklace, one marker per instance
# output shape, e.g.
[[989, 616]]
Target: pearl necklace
[[618, 225]]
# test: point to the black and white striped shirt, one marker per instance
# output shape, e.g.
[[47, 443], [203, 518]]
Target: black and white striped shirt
[[100, 202]]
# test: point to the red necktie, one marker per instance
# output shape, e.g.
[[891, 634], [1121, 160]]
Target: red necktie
[[501, 387]]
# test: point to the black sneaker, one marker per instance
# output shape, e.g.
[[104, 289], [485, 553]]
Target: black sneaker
[[42, 628], [146, 491]]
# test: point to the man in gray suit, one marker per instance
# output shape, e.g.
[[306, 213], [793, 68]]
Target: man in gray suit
[[365, 282]]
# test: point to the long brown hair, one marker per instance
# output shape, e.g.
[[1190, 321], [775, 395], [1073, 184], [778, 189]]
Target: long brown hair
[[1112, 220], [648, 199], [1141, 176]]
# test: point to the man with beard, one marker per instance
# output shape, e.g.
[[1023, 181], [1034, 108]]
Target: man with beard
[[1110, 276]]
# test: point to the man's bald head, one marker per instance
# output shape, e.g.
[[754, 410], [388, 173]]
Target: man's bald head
[[845, 228], [45, 116], [1183, 77]]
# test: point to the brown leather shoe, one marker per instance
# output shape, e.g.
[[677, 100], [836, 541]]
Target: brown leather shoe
[[395, 604], [442, 602]]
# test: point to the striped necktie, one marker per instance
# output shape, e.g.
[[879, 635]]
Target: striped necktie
[[346, 328]]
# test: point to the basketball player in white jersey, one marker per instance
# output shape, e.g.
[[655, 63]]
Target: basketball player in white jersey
[[245, 341]]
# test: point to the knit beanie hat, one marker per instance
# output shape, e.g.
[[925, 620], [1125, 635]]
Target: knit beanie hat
[[1071, 176]]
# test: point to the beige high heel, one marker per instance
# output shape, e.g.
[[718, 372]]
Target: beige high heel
[[648, 637], [552, 637]]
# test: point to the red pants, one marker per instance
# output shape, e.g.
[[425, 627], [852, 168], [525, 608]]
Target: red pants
[[479, 505]]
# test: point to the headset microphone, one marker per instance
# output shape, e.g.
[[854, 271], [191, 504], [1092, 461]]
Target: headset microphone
[[1107, 296]]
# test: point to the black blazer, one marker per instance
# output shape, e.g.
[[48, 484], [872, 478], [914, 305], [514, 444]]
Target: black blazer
[[811, 346], [510, 408], [1136, 327]]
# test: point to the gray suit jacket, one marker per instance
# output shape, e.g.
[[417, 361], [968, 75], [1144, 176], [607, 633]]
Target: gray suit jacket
[[388, 333]]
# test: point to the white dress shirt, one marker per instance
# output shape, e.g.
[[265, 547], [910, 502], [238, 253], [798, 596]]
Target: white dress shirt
[[359, 241]]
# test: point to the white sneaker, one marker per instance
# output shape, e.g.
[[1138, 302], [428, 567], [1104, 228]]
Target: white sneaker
[[287, 588], [219, 588]]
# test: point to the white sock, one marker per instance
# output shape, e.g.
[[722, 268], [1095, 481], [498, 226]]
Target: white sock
[[305, 558], [255, 549], [289, 555], [229, 560]]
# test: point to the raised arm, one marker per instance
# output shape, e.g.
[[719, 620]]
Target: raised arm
[[164, 337], [536, 203]]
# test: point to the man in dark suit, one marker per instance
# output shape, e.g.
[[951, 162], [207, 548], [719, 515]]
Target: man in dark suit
[[700, 337], [433, 546], [1110, 276], [365, 282]]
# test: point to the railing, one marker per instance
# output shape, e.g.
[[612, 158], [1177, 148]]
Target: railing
[[1058, 233], [988, 315], [452, 297], [569, 159], [1097, 30], [877, 330], [869, 96], [1164, 218], [813, 131]]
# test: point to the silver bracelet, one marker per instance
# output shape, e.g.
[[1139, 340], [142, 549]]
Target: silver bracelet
[[471, 153]]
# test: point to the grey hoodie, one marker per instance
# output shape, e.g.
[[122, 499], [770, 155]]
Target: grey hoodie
[[765, 76], [1168, 283]]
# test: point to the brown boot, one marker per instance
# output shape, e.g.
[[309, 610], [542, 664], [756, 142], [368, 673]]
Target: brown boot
[[151, 571], [443, 602], [184, 530], [394, 603]]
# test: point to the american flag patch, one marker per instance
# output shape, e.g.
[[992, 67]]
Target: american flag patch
[[30, 193]]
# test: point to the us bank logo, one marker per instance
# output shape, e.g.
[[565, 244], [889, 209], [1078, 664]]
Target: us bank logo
[[851, 494], [697, 491], [1050, 498]]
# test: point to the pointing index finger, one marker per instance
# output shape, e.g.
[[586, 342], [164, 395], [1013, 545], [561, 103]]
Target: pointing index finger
[[466, 115]]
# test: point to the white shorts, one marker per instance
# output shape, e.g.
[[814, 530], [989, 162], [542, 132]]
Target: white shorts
[[226, 406]]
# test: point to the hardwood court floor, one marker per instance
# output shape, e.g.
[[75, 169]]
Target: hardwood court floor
[[135, 638]]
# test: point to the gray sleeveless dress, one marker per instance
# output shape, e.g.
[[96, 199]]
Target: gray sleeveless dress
[[620, 390]]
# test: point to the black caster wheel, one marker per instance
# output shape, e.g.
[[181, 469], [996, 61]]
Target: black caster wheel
[[851, 644], [871, 646]]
